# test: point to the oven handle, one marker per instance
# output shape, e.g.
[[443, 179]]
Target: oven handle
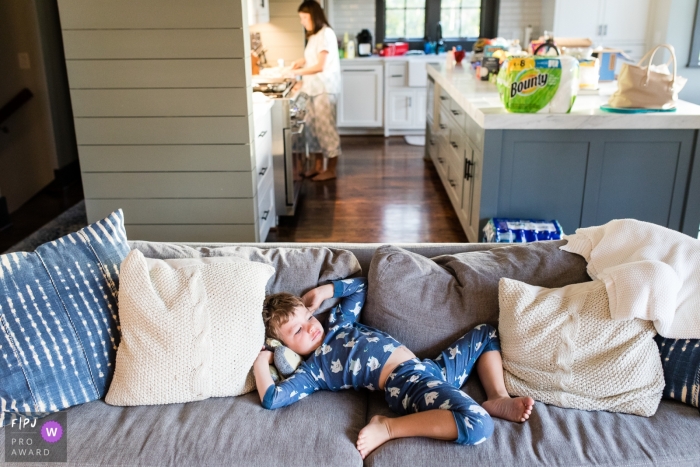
[[301, 129]]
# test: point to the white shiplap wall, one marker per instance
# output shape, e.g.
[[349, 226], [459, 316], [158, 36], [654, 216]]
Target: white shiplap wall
[[161, 99], [354, 15]]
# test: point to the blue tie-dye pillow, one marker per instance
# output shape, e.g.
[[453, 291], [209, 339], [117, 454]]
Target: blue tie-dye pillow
[[681, 361], [59, 328]]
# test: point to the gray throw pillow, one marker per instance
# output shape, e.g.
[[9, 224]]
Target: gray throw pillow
[[427, 304], [297, 270]]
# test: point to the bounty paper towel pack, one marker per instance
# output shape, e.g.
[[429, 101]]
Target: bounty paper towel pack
[[539, 84]]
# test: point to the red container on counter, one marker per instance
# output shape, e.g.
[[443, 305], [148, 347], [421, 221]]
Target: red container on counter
[[401, 48], [391, 50]]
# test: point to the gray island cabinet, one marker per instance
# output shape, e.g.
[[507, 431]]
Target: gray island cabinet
[[583, 168]]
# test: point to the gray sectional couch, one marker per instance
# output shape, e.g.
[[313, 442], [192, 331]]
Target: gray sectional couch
[[321, 430]]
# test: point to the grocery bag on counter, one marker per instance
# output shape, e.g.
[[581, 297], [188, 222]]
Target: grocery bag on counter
[[539, 84]]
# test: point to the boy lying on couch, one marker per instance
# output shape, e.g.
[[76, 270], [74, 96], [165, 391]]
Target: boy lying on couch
[[344, 354]]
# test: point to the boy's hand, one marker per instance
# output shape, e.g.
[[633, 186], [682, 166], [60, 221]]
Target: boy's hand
[[314, 297], [266, 355]]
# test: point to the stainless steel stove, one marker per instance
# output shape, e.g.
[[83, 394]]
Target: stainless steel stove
[[274, 90], [289, 150]]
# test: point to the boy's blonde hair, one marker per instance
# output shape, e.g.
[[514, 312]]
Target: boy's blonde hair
[[277, 309]]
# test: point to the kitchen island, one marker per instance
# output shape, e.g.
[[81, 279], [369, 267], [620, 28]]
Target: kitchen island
[[583, 168]]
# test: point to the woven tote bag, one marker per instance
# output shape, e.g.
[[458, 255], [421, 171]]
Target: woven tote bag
[[639, 86]]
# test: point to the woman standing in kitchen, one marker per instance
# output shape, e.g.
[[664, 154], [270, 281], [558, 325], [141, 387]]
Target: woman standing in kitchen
[[320, 69]]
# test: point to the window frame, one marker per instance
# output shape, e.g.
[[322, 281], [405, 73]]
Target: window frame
[[694, 58], [488, 26]]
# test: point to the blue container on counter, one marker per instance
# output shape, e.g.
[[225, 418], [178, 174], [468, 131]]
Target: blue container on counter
[[507, 230]]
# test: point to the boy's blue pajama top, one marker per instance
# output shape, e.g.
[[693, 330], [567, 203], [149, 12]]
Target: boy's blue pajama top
[[352, 355]]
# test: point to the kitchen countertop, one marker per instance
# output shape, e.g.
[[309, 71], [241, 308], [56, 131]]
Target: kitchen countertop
[[480, 101], [378, 60]]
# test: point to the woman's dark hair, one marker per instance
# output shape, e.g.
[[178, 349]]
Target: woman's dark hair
[[318, 17]]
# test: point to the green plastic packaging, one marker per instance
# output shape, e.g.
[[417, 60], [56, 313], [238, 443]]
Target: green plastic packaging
[[534, 84]]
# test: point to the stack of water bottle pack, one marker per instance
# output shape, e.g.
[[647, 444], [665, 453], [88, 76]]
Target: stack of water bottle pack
[[502, 230]]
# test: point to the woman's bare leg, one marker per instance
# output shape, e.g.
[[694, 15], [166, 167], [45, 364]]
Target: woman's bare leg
[[329, 173], [436, 424], [499, 404], [316, 165]]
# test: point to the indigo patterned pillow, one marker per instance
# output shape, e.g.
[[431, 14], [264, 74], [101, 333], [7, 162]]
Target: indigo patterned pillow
[[681, 361], [59, 329]]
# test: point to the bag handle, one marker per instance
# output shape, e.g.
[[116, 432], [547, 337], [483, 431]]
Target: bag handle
[[650, 56]]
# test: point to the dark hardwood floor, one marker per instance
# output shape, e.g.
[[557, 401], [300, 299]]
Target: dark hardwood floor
[[385, 192]]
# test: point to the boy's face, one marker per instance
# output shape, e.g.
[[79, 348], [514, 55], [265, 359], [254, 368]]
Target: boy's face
[[302, 333]]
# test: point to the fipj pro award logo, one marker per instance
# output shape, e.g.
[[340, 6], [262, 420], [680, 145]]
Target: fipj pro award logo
[[36, 438]]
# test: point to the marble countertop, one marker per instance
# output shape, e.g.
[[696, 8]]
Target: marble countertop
[[480, 100]]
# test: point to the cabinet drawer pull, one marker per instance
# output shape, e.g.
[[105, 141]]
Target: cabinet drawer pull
[[467, 169], [443, 126], [454, 112], [441, 160], [443, 98], [262, 133], [453, 184], [397, 76], [265, 214], [262, 171], [454, 145], [432, 142]]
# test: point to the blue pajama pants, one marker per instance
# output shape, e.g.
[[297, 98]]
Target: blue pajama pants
[[417, 386]]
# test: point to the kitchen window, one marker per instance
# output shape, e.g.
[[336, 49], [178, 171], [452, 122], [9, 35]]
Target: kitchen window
[[405, 18], [462, 21]]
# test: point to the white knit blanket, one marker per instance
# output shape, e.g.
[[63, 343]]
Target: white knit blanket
[[650, 272]]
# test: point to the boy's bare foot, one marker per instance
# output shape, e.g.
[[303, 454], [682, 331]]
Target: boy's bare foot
[[516, 409], [325, 175], [373, 435], [310, 173]]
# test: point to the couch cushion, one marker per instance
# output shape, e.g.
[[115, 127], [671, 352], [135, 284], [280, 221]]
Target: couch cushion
[[560, 346], [298, 270], [59, 328], [231, 431], [191, 329], [557, 437], [427, 304]]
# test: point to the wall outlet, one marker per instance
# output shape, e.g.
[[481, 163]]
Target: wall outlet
[[23, 58]]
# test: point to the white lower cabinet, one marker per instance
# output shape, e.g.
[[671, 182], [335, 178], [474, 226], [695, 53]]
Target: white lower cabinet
[[264, 193], [399, 109], [405, 109], [361, 98]]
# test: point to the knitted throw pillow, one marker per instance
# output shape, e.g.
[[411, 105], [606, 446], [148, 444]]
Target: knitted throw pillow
[[59, 328], [561, 347], [191, 329]]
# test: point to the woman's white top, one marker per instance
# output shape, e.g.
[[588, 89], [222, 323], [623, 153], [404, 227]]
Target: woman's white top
[[329, 79]]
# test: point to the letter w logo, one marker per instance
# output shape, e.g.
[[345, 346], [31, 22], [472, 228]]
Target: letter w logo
[[52, 432]]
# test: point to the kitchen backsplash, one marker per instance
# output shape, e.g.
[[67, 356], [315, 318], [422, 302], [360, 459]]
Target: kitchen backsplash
[[352, 16], [516, 15], [283, 37]]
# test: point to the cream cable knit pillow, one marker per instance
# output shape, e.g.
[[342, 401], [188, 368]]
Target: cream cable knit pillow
[[561, 347], [191, 329]]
